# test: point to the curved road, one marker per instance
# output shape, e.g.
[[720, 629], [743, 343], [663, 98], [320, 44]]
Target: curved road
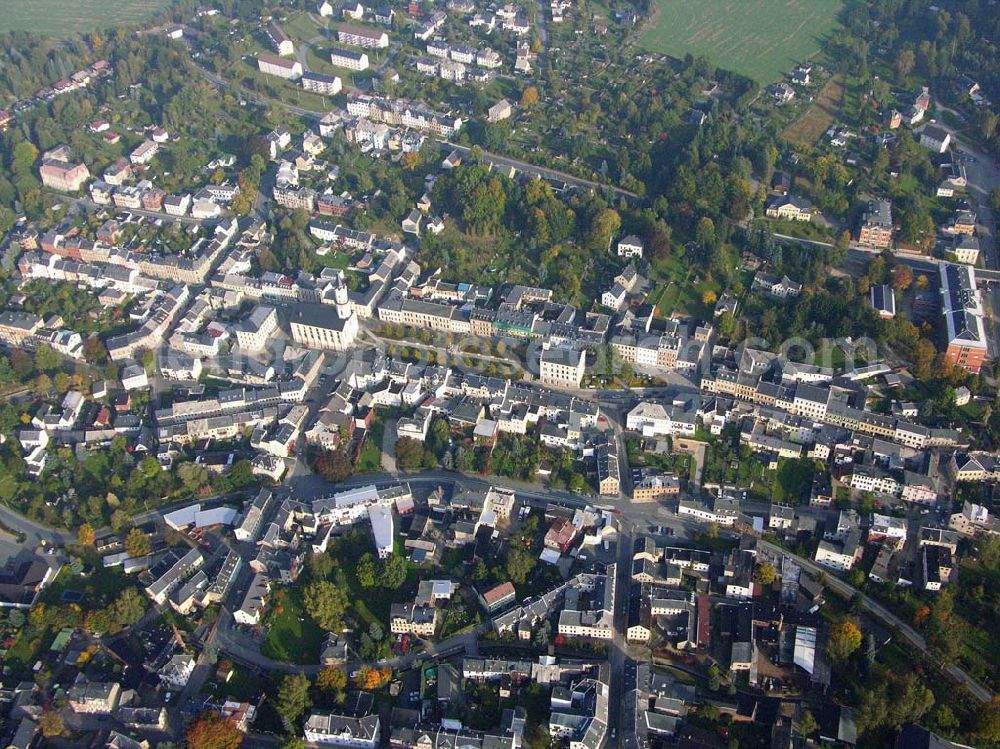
[[34, 532], [541, 171], [521, 166], [309, 487], [880, 612]]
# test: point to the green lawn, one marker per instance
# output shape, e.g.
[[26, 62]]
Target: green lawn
[[301, 27], [292, 636], [98, 588], [57, 17], [335, 259], [29, 643], [370, 460], [761, 39]]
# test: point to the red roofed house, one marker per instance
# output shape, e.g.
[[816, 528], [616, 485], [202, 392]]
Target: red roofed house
[[560, 536], [498, 596]]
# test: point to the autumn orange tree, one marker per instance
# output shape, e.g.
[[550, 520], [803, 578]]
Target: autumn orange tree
[[211, 730], [373, 678], [331, 679], [85, 534], [844, 639]]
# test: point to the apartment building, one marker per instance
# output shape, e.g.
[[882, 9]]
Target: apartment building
[[876, 225], [962, 308], [330, 729], [350, 59], [94, 697], [562, 367], [144, 152], [273, 65], [328, 85], [62, 176], [421, 313], [280, 41], [16, 327], [360, 36]]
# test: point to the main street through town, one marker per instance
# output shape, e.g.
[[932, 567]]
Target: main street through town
[[633, 519]]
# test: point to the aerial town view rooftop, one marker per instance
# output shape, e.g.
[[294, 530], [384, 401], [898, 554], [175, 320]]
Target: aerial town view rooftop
[[550, 374]]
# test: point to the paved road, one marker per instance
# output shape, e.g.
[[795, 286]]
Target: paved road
[[983, 177], [652, 513], [882, 614], [543, 172], [221, 82], [34, 533], [800, 240], [618, 649], [522, 166], [388, 445], [636, 515]]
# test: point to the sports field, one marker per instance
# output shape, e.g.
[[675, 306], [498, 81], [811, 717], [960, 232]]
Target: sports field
[[62, 17], [758, 38]]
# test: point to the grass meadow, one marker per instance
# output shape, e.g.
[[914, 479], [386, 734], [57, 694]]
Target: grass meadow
[[65, 17], [760, 39]]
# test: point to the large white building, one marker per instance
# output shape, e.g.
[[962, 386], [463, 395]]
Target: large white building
[[838, 555], [322, 326], [888, 528], [656, 420], [330, 729], [274, 65], [630, 246], [280, 41], [383, 529], [562, 367], [94, 697], [254, 601], [361, 36], [252, 333], [251, 524], [144, 152], [328, 85], [350, 59], [935, 138]]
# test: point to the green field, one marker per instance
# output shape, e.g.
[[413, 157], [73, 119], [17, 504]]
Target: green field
[[292, 636], [758, 38], [60, 17]]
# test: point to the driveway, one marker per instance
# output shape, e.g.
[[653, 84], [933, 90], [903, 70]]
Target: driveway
[[389, 446]]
